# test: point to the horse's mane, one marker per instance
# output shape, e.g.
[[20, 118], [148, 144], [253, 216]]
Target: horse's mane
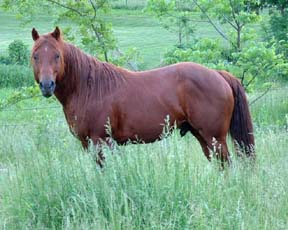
[[93, 77]]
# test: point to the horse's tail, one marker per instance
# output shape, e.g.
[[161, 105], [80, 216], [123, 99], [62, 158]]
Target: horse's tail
[[241, 127]]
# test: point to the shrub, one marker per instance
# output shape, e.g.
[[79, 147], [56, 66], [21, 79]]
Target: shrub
[[18, 53], [205, 51]]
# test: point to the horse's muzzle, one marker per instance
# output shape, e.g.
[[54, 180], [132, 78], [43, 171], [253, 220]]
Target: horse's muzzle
[[47, 87]]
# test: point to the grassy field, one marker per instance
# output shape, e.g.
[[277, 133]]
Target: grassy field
[[48, 182]]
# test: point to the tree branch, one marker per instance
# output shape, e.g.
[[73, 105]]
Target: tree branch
[[229, 22], [243, 76], [94, 7], [100, 41], [66, 7], [210, 21], [233, 14], [262, 95], [246, 86]]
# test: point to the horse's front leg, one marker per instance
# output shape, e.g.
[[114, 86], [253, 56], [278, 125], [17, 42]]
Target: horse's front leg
[[98, 143]]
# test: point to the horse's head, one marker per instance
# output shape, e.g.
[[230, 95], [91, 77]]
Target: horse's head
[[47, 60]]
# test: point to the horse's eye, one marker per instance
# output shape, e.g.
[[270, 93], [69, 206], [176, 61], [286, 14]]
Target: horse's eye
[[35, 58], [57, 56]]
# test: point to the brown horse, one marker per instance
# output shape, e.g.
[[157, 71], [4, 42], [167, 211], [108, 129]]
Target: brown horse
[[206, 102]]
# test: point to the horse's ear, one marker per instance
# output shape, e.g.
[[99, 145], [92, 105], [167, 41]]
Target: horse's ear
[[56, 33], [35, 34]]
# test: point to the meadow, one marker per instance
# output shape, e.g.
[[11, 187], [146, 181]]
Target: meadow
[[48, 182]]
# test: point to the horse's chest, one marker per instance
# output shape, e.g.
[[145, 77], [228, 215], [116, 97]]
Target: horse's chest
[[76, 122], [86, 124]]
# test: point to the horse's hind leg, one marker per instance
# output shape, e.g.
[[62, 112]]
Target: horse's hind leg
[[219, 147], [204, 146], [215, 143], [185, 127]]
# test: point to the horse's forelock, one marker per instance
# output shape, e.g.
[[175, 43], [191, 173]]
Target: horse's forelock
[[48, 39]]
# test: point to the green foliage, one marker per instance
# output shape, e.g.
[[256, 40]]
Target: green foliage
[[91, 28], [25, 10], [130, 59], [279, 25], [260, 62], [280, 5], [175, 16], [282, 47], [15, 76], [94, 32], [4, 59], [237, 14], [257, 63], [204, 51], [87, 22], [18, 53], [19, 95]]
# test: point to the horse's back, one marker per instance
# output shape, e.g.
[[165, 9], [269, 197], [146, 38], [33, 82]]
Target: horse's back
[[186, 79]]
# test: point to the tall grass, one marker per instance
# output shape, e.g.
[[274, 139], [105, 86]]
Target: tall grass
[[166, 185], [270, 109]]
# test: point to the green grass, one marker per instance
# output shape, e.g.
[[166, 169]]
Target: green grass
[[270, 109], [12, 29], [129, 4], [16, 76], [53, 184]]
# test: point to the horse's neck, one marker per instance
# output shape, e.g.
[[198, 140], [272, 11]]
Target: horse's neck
[[74, 74], [86, 79]]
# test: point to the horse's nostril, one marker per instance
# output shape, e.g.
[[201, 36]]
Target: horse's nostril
[[52, 83], [41, 84]]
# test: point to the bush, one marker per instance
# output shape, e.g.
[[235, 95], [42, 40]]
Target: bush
[[15, 76], [261, 62], [256, 63], [18, 53], [205, 51]]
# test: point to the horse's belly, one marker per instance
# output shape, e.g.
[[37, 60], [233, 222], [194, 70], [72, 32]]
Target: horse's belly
[[143, 131]]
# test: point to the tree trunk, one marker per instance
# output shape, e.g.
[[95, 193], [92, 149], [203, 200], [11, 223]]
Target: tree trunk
[[239, 28]]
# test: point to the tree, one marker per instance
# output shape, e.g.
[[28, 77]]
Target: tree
[[280, 5], [278, 21], [175, 16], [277, 28], [237, 14]]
